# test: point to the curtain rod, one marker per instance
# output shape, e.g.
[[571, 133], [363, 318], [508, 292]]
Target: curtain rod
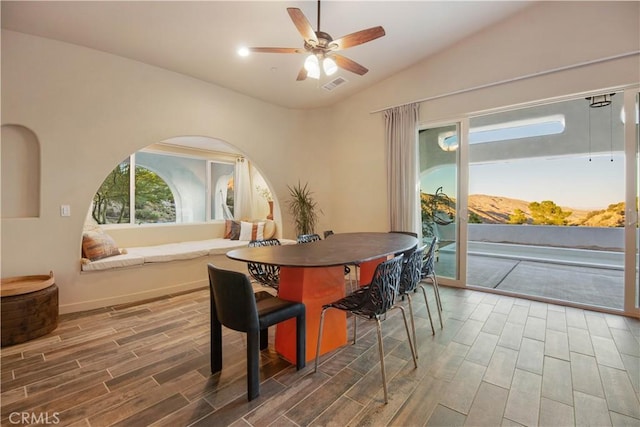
[[515, 79]]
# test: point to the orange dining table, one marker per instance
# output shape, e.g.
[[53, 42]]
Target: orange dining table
[[313, 273]]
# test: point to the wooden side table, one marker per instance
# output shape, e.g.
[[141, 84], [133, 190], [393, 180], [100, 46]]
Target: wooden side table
[[28, 308]]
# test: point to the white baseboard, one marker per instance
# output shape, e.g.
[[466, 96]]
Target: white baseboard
[[129, 298]]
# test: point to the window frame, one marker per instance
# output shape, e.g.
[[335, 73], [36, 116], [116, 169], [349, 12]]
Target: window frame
[[209, 158]]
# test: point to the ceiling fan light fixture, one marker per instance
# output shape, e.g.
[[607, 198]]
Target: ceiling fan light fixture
[[312, 66], [329, 66], [320, 45]]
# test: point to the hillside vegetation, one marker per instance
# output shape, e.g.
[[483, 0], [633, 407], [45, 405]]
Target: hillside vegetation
[[488, 209]]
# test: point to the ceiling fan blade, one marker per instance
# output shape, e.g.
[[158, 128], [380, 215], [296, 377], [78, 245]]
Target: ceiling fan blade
[[349, 65], [302, 24], [359, 37], [276, 50], [302, 75]]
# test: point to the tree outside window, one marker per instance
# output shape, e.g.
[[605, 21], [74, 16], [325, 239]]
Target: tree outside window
[[154, 201], [152, 187], [111, 201]]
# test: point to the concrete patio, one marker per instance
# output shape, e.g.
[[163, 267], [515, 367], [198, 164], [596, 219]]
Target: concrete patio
[[591, 277]]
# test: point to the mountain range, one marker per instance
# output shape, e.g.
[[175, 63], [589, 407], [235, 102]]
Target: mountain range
[[497, 209]]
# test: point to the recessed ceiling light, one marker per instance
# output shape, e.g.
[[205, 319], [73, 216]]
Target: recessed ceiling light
[[243, 51]]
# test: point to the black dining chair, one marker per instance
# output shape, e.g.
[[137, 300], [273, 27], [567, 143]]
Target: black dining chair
[[308, 238], [234, 305], [372, 302], [265, 274], [409, 283], [428, 272]]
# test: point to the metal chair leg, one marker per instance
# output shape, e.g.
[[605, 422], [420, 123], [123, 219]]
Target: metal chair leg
[[381, 350], [426, 303], [353, 280], [436, 292], [413, 323], [414, 353], [315, 369]]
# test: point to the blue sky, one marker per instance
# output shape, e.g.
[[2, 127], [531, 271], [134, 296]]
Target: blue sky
[[568, 181]]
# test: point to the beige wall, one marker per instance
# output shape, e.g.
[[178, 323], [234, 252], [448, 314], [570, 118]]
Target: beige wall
[[543, 37], [90, 109]]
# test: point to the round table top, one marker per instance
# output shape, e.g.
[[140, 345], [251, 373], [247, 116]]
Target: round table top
[[337, 249]]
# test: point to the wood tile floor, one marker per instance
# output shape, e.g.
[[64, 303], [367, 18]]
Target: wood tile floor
[[498, 361]]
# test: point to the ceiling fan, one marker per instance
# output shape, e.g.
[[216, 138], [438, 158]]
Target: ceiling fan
[[321, 47]]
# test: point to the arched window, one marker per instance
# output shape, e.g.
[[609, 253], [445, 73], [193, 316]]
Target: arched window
[[112, 200], [222, 186], [153, 199], [159, 187]]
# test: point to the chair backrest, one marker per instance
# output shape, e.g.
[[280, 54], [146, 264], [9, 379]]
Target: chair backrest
[[265, 242], [308, 238], [411, 270], [383, 289], [234, 303], [428, 259], [268, 275]]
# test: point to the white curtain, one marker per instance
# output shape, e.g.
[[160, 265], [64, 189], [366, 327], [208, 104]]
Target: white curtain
[[259, 205], [402, 167], [243, 191]]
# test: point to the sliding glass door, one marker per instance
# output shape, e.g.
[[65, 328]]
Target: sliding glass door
[[438, 153], [539, 201], [547, 201], [632, 227]]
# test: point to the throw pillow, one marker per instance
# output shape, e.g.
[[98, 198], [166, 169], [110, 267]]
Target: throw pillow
[[251, 231], [234, 230], [227, 229], [260, 231], [96, 246], [269, 229]]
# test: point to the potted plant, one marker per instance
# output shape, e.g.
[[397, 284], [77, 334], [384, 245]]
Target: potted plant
[[303, 208]]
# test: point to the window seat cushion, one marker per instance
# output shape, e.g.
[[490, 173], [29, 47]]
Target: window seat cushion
[[167, 253], [219, 246], [117, 261]]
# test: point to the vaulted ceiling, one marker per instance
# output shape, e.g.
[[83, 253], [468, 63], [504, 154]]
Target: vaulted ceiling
[[201, 38]]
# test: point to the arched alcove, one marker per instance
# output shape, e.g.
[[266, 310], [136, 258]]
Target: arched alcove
[[20, 153], [201, 173]]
